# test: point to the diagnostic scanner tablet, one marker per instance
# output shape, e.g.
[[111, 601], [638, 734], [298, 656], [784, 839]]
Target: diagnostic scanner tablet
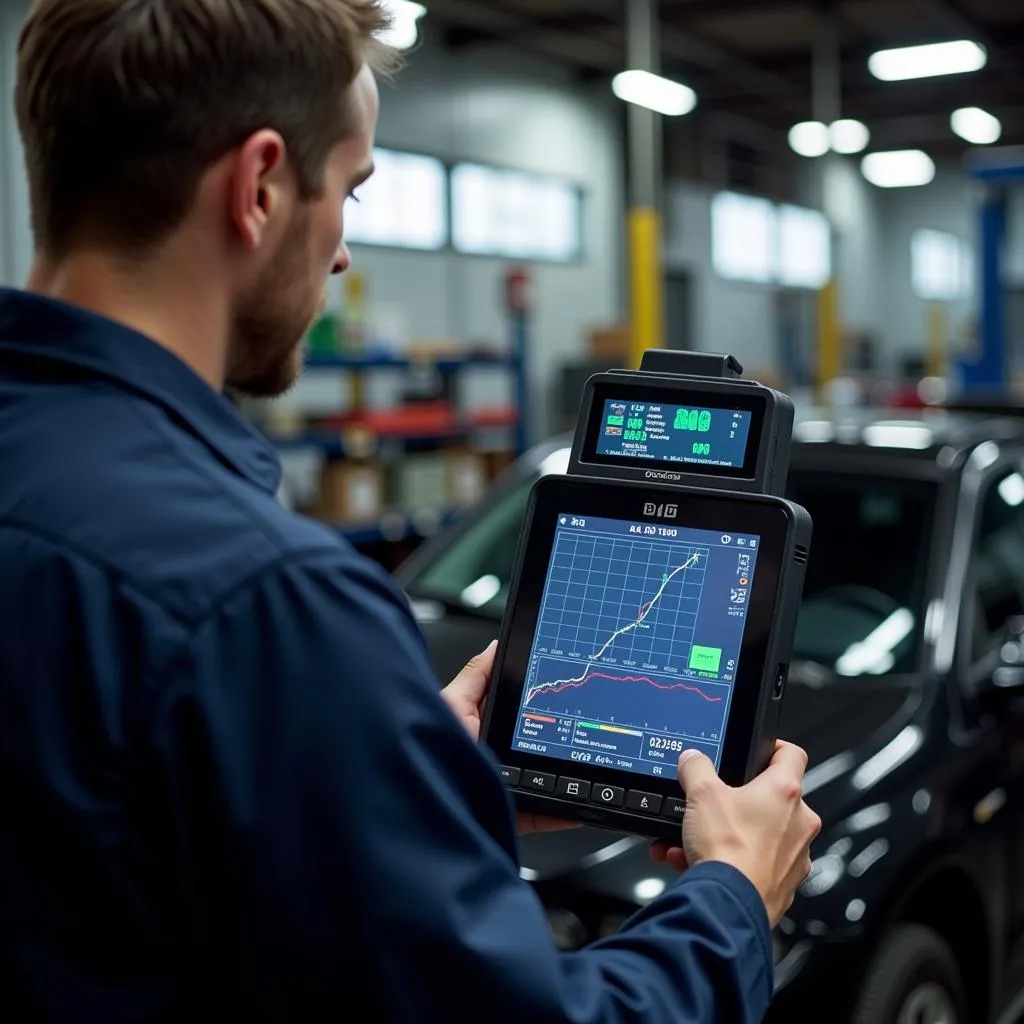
[[649, 616]]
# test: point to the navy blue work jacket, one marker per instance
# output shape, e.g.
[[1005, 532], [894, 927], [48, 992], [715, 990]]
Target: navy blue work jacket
[[228, 783]]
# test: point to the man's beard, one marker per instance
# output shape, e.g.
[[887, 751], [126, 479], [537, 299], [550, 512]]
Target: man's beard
[[272, 319]]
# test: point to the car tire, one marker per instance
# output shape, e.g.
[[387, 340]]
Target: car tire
[[913, 979]]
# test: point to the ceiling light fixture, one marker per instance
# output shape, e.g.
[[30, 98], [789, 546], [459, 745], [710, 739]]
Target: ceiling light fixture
[[662, 95], [404, 31], [904, 168], [848, 136], [976, 126], [809, 138], [929, 61]]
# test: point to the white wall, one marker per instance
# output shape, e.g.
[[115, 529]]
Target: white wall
[[872, 230], [949, 203], [851, 204], [728, 316], [501, 107]]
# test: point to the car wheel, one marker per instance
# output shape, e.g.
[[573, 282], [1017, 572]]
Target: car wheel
[[913, 979]]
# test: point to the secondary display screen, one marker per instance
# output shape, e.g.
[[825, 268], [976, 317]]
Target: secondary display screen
[[637, 644], [673, 433]]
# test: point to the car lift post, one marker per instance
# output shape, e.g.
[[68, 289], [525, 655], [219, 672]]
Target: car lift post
[[996, 171]]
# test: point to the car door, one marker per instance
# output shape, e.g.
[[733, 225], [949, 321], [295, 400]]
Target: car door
[[993, 598]]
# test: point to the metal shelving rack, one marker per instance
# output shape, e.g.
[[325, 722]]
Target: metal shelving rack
[[398, 526]]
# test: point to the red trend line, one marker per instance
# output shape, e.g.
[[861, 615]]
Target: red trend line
[[566, 684]]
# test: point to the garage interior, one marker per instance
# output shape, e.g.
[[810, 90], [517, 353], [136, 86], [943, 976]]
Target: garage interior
[[830, 191]]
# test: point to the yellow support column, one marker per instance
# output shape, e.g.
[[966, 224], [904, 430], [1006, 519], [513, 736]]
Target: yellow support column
[[830, 348], [648, 311], [938, 333]]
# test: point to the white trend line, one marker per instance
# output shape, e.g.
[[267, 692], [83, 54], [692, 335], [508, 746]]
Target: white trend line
[[534, 690], [690, 563]]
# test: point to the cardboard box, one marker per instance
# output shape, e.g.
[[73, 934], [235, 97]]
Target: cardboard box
[[421, 483], [614, 342], [467, 477], [350, 493]]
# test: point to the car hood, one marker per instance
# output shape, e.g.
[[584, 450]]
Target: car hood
[[837, 725]]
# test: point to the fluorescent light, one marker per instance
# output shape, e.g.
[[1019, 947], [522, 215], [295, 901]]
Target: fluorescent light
[[809, 138], [1011, 490], [903, 168], [889, 758], [976, 126], [814, 431], [404, 30], [985, 455], [477, 594], [648, 889], [654, 92], [956, 58], [899, 435], [848, 136], [874, 654]]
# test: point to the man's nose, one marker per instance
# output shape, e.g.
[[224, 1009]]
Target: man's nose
[[342, 259]]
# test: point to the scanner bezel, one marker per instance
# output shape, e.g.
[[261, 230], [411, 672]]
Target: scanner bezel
[[632, 390], [554, 496]]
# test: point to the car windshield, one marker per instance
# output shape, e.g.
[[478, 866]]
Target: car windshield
[[863, 599]]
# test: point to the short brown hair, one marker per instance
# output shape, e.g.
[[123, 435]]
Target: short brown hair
[[123, 104]]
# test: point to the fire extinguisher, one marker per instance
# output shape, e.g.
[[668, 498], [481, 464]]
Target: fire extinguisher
[[518, 291]]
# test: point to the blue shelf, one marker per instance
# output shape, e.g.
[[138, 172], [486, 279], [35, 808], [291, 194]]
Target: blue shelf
[[322, 361], [375, 533], [332, 447]]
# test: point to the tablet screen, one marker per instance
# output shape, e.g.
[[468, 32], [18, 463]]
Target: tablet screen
[[637, 644]]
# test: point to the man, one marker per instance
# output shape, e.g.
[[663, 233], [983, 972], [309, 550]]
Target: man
[[228, 786]]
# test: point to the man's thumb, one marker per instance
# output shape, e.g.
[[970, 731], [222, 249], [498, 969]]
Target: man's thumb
[[695, 768]]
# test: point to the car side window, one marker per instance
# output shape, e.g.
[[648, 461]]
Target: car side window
[[997, 565]]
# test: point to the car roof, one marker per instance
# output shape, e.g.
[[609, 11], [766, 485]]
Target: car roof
[[936, 439], [939, 435]]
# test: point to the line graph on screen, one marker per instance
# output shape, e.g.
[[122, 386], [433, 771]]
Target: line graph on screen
[[616, 632]]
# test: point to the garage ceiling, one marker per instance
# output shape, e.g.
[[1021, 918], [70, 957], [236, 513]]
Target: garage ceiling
[[752, 59]]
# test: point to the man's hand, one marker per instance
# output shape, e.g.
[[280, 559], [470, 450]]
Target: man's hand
[[465, 695], [763, 829]]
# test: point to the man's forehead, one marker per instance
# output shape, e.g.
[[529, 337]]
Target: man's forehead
[[365, 98]]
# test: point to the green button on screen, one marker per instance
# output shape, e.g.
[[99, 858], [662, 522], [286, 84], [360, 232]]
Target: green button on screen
[[705, 659]]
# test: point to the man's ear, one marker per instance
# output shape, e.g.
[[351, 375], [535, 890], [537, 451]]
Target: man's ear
[[257, 185]]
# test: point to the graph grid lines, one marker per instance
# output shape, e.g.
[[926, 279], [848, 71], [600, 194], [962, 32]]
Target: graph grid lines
[[623, 599]]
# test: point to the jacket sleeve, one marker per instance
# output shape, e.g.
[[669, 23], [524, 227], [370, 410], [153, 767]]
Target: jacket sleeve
[[334, 827]]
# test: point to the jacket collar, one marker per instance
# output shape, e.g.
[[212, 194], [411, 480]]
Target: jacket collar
[[57, 336]]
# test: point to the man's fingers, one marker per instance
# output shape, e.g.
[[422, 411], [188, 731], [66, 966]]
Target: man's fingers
[[696, 770], [789, 758], [528, 823], [666, 853], [677, 860], [473, 680]]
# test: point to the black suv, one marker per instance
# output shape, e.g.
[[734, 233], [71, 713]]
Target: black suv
[[907, 692]]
